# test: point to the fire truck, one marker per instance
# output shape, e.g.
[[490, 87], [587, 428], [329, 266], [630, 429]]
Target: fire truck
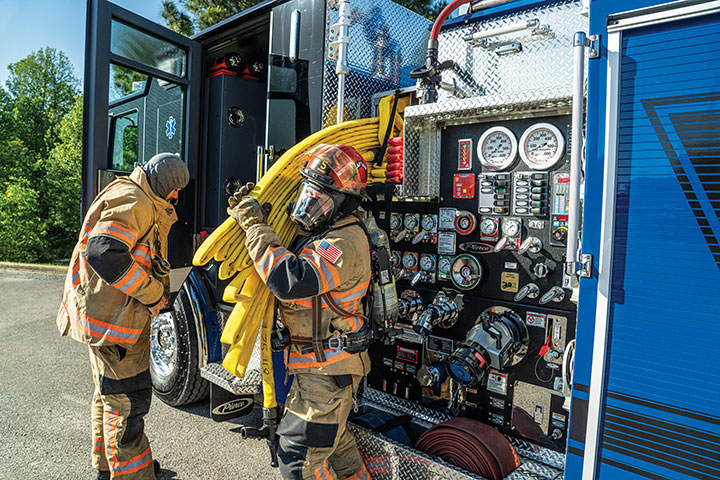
[[554, 233]]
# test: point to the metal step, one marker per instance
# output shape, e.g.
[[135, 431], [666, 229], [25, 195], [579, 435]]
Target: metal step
[[248, 385]]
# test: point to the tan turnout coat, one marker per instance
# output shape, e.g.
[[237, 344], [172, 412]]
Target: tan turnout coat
[[98, 313]]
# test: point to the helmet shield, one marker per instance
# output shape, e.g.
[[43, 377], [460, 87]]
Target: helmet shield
[[336, 167], [314, 208]]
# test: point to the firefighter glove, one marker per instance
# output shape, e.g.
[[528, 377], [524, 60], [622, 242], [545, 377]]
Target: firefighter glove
[[242, 192], [249, 212]]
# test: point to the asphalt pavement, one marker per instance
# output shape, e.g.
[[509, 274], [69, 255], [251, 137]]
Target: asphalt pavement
[[45, 393]]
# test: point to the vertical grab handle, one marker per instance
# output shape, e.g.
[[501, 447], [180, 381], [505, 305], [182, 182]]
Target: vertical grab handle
[[571, 252], [294, 35]]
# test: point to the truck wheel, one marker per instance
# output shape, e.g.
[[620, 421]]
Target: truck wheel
[[174, 355]]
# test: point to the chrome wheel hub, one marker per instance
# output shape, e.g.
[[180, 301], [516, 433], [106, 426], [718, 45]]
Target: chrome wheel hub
[[163, 344]]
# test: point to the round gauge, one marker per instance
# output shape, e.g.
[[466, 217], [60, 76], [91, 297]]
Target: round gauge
[[542, 146], [409, 261], [395, 221], [428, 223], [395, 259], [410, 222], [444, 264], [488, 227], [465, 222], [466, 272], [427, 263], [497, 148], [511, 228]]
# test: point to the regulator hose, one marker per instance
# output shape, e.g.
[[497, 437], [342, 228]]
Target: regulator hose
[[471, 445]]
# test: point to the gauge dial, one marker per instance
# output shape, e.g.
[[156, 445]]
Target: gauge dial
[[466, 271], [395, 221], [542, 146], [395, 259], [444, 264], [497, 148], [488, 227], [428, 223], [410, 222], [511, 228], [427, 263], [409, 261]]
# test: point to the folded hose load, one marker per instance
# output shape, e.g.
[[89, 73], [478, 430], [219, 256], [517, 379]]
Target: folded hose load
[[254, 302]]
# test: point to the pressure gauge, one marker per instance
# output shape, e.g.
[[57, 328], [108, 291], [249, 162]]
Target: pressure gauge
[[395, 221], [411, 221], [409, 261], [542, 146], [511, 228], [488, 227], [428, 223], [444, 265], [395, 259], [497, 148], [427, 263]]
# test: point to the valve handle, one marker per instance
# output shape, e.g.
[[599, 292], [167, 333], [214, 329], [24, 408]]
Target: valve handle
[[501, 243]]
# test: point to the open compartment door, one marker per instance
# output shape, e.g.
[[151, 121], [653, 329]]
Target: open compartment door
[[142, 97]]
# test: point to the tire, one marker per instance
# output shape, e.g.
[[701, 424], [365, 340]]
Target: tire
[[174, 356]]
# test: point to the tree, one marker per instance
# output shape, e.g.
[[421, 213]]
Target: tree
[[43, 87], [190, 16], [63, 176], [21, 235]]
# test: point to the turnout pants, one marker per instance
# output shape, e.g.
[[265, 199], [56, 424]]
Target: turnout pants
[[314, 442], [122, 398]]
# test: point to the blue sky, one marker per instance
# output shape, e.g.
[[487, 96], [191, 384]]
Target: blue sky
[[28, 25]]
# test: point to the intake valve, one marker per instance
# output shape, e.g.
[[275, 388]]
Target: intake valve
[[555, 294], [499, 340], [443, 311]]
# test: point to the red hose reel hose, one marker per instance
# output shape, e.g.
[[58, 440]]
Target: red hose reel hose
[[444, 15], [471, 445]]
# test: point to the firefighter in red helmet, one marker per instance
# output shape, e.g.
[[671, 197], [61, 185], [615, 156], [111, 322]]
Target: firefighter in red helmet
[[320, 285]]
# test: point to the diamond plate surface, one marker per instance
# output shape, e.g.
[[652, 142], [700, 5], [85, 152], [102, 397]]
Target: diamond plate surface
[[538, 463], [544, 62], [387, 41], [250, 384], [536, 80]]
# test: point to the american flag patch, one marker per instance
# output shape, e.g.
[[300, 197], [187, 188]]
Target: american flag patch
[[328, 251]]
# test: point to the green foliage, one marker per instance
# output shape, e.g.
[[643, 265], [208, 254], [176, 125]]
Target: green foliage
[[63, 176], [40, 152], [122, 81], [43, 87], [21, 235], [191, 16]]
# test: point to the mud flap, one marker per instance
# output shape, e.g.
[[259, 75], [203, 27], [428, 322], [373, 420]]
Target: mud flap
[[226, 406]]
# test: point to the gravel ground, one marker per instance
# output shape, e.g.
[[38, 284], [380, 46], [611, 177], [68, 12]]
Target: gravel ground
[[45, 392]]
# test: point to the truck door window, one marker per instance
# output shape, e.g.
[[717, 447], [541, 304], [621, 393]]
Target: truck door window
[[146, 117], [124, 141], [134, 44]]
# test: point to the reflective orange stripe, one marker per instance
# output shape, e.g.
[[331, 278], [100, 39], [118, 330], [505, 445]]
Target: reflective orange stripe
[[362, 474], [298, 360], [132, 279], [114, 230], [99, 329], [356, 292]]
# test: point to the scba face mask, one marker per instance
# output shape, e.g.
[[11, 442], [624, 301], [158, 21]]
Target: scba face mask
[[314, 208]]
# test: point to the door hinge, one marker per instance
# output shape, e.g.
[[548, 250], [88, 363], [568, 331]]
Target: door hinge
[[594, 46], [586, 263]]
